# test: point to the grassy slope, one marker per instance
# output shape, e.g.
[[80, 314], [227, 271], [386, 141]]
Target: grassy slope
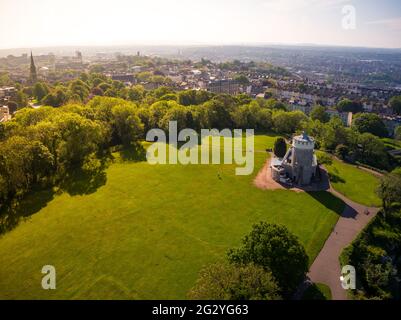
[[392, 143], [325, 290], [147, 232], [356, 184]]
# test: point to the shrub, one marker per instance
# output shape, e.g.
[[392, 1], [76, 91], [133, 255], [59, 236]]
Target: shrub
[[280, 148]]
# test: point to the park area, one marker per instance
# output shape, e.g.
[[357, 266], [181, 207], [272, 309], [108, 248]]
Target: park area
[[144, 232], [355, 183]]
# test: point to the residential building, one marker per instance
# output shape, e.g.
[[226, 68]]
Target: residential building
[[391, 123], [346, 117], [224, 86], [4, 114]]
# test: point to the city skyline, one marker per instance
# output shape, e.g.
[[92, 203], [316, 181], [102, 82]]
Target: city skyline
[[43, 23]]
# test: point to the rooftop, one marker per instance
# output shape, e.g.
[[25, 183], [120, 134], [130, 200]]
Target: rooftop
[[304, 138]]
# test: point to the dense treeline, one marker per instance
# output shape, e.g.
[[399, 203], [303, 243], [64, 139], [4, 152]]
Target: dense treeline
[[202, 109], [90, 115], [376, 254], [351, 144], [41, 146]]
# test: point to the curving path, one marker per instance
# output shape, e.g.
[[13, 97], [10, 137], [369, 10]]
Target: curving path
[[326, 267]]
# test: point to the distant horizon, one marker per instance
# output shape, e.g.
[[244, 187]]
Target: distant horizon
[[198, 45], [343, 23]]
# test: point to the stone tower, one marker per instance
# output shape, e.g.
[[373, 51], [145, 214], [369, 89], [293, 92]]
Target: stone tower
[[33, 77], [299, 165], [302, 162]]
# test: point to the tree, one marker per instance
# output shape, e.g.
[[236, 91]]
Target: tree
[[265, 122], [342, 151], [347, 105], [5, 79], [126, 124], [324, 159], [78, 138], [234, 282], [112, 92], [371, 123], [169, 97], [40, 90], [252, 116], [144, 76], [29, 116], [288, 122], [176, 113], [55, 98], [274, 248], [23, 162], [395, 104], [333, 134], [20, 99], [105, 86], [12, 106], [15, 161], [96, 68], [243, 99], [80, 89], [390, 189], [319, 113], [42, 161], [275, 105], [157, 111], [372, 151], [136, 93], [397, 133], [242, 79], [96, 91], [280, 147], [187, 97], [219, 112]]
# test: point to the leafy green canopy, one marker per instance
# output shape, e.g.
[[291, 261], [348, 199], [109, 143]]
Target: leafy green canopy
[[274, 248]]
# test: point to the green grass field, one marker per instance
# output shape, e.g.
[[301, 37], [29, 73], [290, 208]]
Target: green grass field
[[392, 143], [146, 231], [356, 184]]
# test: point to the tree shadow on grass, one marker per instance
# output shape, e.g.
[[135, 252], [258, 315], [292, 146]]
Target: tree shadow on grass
[[313, 293], [81, 182], [330, 201], [336, 179], [78, 182], [12, 214]]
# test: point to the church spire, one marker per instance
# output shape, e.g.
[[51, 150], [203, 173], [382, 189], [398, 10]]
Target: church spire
[[33, 77]]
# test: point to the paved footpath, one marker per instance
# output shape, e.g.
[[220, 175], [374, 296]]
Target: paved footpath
[[326, 267]]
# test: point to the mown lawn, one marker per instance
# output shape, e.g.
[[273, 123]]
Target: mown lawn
[[147, 230], [356, 184]]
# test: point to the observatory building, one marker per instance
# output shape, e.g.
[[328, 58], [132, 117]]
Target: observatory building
[[299, 165]]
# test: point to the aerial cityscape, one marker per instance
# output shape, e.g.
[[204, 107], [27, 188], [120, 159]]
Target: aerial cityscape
[[184, 164]]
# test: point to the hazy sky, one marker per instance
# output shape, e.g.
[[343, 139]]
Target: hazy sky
[[34, 23]]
